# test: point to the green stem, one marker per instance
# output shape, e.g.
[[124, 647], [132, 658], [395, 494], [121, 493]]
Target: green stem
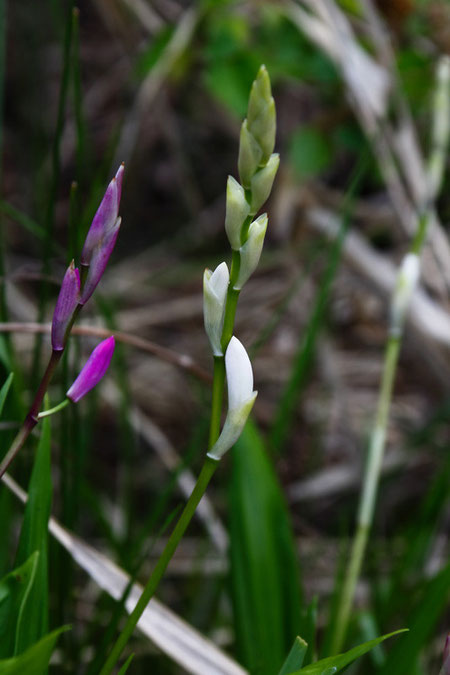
[[55, 409], [369, 493], [205, 476]]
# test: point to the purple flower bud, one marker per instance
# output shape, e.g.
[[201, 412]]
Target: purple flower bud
[[105, 218], [93, 370], [101, 237], [68, 299], [99, 260]]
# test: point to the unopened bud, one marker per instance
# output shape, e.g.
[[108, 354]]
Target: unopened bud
[[68, 299], [407, 279], [251, 250], [241, 397], [93, 370], [262, 181], [237, 210], [250, 154], [215, 286]]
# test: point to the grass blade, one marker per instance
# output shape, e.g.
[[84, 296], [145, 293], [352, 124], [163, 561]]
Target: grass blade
[[333, 664], [264, 567], [295, 657], [14, 589], [4, 391], [34, 660]]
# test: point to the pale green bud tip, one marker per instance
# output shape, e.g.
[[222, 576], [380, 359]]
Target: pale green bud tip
[[237, 210], [260, 94], [251, 250], [407, 279], [241, 397], [263, 128], [215, 286], [250, 154], [262, 181]]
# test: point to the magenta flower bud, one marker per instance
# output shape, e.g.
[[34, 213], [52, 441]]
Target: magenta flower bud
[[93, 370], [99, 260], [101, 238], [68, 299], [105, 218]]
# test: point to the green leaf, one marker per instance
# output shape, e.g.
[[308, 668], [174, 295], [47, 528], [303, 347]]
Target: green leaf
[[333, 664], [4, 391], [126, 665], [264, 566], [34, 537], [35, 660], [310, 152], [295, 657], [14, 589]]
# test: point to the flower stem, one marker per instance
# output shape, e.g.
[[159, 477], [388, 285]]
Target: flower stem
[[55, 409], [206, 473], [369, 492], [32, 418]]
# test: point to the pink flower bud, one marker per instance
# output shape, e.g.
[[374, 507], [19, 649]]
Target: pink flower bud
[[93, 370], [105, 218], [102, 235], [68, 299]]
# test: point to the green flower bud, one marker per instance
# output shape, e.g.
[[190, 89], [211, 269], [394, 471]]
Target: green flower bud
[[251, 250], [262, 182], [263, 128], [250, 154], [237, 210], [260, 95]]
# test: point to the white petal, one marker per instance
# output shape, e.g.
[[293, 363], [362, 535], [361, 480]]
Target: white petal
[[219, 282], [233, 427], [239, 374]]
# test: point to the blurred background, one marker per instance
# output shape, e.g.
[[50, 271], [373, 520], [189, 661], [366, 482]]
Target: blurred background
[[163, 86]]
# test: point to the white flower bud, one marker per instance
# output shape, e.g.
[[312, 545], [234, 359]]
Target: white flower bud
[[262, 182], [215, 286], [250, 154], [407, 279], [241, 397], [251, 250], [237, 210]]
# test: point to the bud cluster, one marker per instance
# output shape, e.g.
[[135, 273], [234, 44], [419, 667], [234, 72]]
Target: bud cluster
[[257, 166], [76, 289]]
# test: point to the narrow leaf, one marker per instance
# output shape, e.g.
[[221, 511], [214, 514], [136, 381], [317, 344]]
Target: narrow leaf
[[14, 588], [295, 657], [126, 665], [264, 566], [4, 391], [35, 660], [333, 664]]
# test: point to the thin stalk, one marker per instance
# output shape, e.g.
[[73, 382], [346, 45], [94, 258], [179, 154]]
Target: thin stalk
[[55, 409], [205, 476], [369, 492], [32, 418]]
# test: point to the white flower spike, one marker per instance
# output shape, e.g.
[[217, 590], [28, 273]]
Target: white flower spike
[[241, 397], [251, 250], [215, 286]]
